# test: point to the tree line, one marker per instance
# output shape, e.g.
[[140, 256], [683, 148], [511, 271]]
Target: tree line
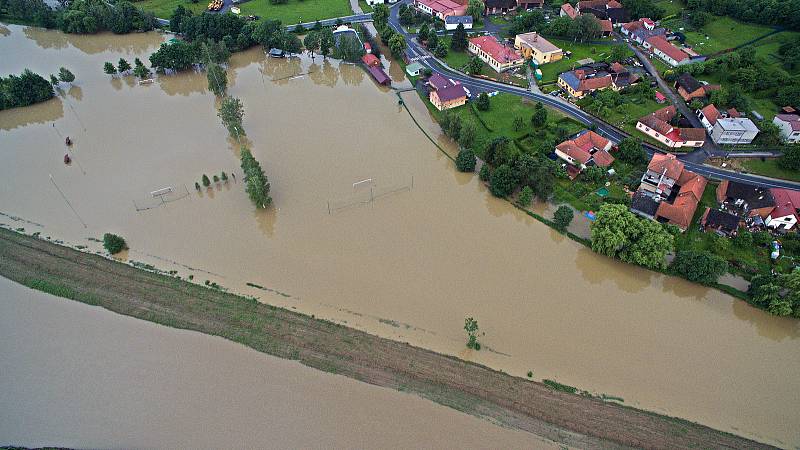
[[81, 16], [782, 13], [24, 89]]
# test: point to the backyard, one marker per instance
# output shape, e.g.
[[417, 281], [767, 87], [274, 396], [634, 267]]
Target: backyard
[[721, 33], [296, 11], [579, 51]]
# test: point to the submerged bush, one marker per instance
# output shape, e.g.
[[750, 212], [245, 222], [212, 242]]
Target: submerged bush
[[113, 243]]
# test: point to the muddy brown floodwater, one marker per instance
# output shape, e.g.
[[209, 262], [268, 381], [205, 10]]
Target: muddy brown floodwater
[[156, 387], [404, 259]]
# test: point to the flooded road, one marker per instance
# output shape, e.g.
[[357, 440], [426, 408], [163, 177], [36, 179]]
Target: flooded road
[[157, 387], [407, 255]]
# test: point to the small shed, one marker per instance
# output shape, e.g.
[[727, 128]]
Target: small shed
[[414, 69], [660, 98], [371, 60], [379, 75]]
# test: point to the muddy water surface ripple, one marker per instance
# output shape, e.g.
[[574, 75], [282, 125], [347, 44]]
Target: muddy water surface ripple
[[407, 255]]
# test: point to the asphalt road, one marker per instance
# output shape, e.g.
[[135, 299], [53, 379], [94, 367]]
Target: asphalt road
[[476, 85]]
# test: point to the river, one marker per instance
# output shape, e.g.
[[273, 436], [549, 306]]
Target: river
[[432, 248], [83, 377]]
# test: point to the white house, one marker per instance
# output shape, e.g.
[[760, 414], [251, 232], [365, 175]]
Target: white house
[[734, 130], [451, 22], [380, 2], [789, 125]]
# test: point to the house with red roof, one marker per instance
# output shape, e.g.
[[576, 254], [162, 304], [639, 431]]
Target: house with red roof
[[444, 93], [657, 125], [786, 213], [441, 9], [493, 52], [641, 30], [586, 150], [708, 116], [670, 54], [371, 60], [568, 10], [668, 192], [689, 88]]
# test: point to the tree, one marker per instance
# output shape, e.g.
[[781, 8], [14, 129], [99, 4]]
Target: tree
[[123, 66], [176, 56], [65, 75], [441, 50], [206, 181], [231, 111], [699, 266], [645, 8], [466, 160], [631, 151], [791, 158], [349, 49], [539, 117], [484, 174], [380, 15], [743, 239], [563, 217], [586, 27], [109, 68], [141, 71], [326, 42], [223, 176], [422, 34], [256, 183], [311, 42], [177, 18], [475, 66], [397, 45], [214, 52], [113, 243], [483, 102], [433, 40], [466, 138], [471, 327], [54, 80], [502, 182], [769, 134], [526, 196], [617, 232], [617, 54], [459, 41], [475, 9], [217, 79], [23, 90]]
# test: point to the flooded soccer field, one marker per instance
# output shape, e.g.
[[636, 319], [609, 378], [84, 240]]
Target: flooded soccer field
[[407, 254]]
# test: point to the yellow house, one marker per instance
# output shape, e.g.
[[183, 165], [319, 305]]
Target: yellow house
[[531, 45]]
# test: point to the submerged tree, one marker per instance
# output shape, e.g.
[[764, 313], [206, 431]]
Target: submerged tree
[[217, 80], [65, 75], [471, 327], [113, 243], [123, 66], [109, 68], [256, 183], [231, 111]]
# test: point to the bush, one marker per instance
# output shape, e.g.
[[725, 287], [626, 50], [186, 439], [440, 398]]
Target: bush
[[501, 182], [700, 266], [466, 160], [483, 102], [563, 217], [484, 174], [113, 243], [526, 196]]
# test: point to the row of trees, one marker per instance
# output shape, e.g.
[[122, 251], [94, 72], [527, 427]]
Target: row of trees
[[123, 67], [81, 16], [768, 12]]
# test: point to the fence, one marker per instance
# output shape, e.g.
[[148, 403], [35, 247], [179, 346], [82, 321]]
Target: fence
[[367, 192], [161, 197]]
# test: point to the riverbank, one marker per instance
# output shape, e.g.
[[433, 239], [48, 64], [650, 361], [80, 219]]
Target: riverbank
[[530, 406]]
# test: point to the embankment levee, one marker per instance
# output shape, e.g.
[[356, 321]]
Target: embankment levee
[[570, 419]]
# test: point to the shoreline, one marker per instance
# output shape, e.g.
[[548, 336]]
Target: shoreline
[[571, 419]]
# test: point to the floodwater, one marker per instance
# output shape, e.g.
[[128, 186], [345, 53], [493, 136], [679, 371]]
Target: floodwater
[[158, 387], [420, 248]]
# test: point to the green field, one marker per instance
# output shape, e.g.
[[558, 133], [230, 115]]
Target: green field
[[579, 51], [719, 34], [770, 168], [670, 7], [297, 11], [164, 8]]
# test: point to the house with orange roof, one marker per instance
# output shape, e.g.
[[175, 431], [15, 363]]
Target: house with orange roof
[[568, 10], [586, 150], [493, 52], [657, 125], [441, 9], [668, 193], [708, 116]]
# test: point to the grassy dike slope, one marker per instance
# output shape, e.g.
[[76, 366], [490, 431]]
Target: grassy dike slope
[[567, 418]]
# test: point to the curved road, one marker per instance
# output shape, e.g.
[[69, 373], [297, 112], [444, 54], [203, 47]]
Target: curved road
[[477, 85]]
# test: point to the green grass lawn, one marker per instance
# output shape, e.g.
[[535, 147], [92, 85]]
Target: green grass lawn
[[165, 8], [579, 51], [364, 6], [770, 168], [670, 7], [297, 11], [719, 34], [499, 121]]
